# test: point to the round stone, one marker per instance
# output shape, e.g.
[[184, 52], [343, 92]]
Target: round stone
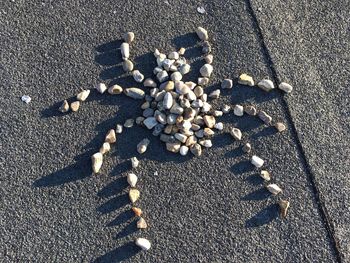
[[206, 70], [227, 84]]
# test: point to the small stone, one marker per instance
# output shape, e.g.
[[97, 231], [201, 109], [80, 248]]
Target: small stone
[[145, 105], [97, 160], [236, 133], [206, 143], [285, 87], [105, 148], [173, 55], [202, 33], [153, 92], [129, 37], [184, 69], [132, 179], [208, 132], [206, 70], [227, 84], [209, 121], [150, 122], [156, 53], [265, 117], [226, 109], [137, 211], [176, 76], [250, 110], [134, 162], [115, 89], [162, 76], [274, 189], [171, 119], [191, 140], [176, 109], [83, 95], [110, 136], [101, 87], [196, 149], [141, 223], [206, 47], [128, 66], [139, 120], [266, 85], [134, 195], [64, 107], [181, 137], [26, 99], [125, 50], [173, 147], [247, 148], [265, 175], [218, 113], [238, 110], [135, 93], [167, 138], [74, 106], [182, 51], [156, 70], [280, 126], [168, 101], [215, 94], [245, 79], [203, 81], [184, 150], [199, 133], [257, 161], [167, 86], [129, 123], [160, 95], [219, 126], [209, 58], [142, 146], [138, 76], [284, 205], [201, 10], [119, 128], [150, 83], [143, 243], [198, 91]]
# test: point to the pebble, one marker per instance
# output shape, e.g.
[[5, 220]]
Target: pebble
[[148, 113], [198, 91], [191, 140], [153, 92], [64, 106], [128, 66], [119, 128], [196, 149], [167, 138], [26, 99], [201, 10], [274, 189], [134, 162], [247, 148], [115, 89], [284, 205], [206, 143], [129, 123], [142, 146], [176, 109], [160, 95], [168, 101], [280, 126], [202, 33], [150, 122], [139, 120], [166, 63], [173, 55], [167, 86], [184, 150], [285, 87], [199, 134], [203, 81], [145, 105], [266, 85], [265, 117], [135, 93], [257, 161], [236, 133], [209, 58], [245, 79], [226, 109], [219, 126], [206, 70], [182, 51], [137, 211], [173, 147], [156, 70], [132, 179], [181, 137], [150, 83], [162, 76], [97, 160], [83, 95], [184, 69], [156, 53], [105, 148], [138, 76], [134, 195], [206, 47], [227, 84], [215, 94], [238, 110], [101, 87], [265, 175], [176, 76], [209, 121], [250, 110], [125, 50], [129, 37], [110, 136], [141, 223], [143, 243], [74, 106]]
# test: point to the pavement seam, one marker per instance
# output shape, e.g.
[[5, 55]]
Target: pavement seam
[[302, 156]]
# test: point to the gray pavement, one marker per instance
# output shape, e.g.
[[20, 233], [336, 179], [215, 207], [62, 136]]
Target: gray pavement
[[207, 209]]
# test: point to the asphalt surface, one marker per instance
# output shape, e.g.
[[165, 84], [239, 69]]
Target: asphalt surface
[[208, 209]]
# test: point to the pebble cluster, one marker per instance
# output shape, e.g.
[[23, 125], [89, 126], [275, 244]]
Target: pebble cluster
[[179, 113]]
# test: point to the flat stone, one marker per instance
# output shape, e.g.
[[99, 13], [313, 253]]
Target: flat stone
[[202, 33], [227, 84], [245, 79], [143, 243], [257, 161], [74, 106], [150, 122], [280, 126], [181, 137], [148, 113], [142, 145], [173, 147], [274, 189], [209, 121], [265, 175], [266, 85], [110, 136], [97, 160], [135, 93], [101, 87], [149, 83], [285, 87], [129, 123], [132, 179], [115, 89], [236, 133], [265, 117], [64, 107], [134, 195], [238, 110], [206, 70], [83, 95], [250, 110], [141, 223], [129, 37]]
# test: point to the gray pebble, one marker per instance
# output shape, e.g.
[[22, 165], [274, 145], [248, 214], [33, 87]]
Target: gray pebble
[[167, 138], [285, 87], [148, 113], [168, 100], [203, 81], [250, 110], [184, 69], [266, 85], [138, 77], [142, 146], [134, 93], [247, 148], [158, 129], [265, 117], [128, 66], [206, 70], [176, 76], [150, 122], [139, 120], [209, 58], [226, 108], [202, 33], [162, 76], [64, 107], [150, 83], [227, 84], [196, 149], [119, 128], [129, 123]]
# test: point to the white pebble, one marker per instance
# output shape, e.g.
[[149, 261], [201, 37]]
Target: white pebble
[[202, 33], [266, 85], [176, 76], [134, 162], [274, 189], [132, 179], [173, 55], [97, 160], [143, 243], [168, 101], [206, 70], [125, 50], [26, 99], [219, 126], [83, 95], [162, 76], [257, 161], [285, 87], [184, 150], [238, 110], [138, 76], [101, 87]]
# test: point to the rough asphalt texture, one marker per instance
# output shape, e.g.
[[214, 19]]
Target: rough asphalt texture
[[208, 209]]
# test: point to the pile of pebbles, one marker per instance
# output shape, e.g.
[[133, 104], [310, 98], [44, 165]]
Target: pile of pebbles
[[179, 113]]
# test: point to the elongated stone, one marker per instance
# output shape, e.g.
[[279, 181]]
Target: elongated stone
[[215, 94], [135, 93], [132, 179], [209, 58], [245, 79], [138, 76], [83, 95], [168, 101], [134, 195], [265, 117], [134, 162], [143, 243], [284, 206], [97, 160], [137, 211], [115, 89], [150, 83], [274, 189], [209, 121], [250, 110], [125, 50], [257, 161], [202, 33], [173, 147], [285, 87], [142, 146], [247, 148], [184, 150], [128, 66], [280, 126], [265, 175], [266, 85]]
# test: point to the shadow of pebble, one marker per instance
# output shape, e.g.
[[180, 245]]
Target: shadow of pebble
[[119, 254], [263, 217]]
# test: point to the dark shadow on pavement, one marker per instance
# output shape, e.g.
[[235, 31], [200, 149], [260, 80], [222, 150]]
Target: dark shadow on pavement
[[256, 195], [263, 217], [119, 254]]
